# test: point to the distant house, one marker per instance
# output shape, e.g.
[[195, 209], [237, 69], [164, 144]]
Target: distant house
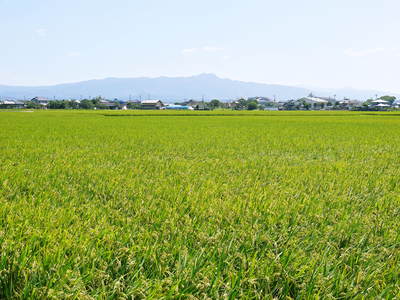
[[232, 104], [11, 104], [261, 100], [290, 105], [41, 101], [348, 104], [380, 101], [197, 105], [151, 104], [313, 102], [109, 104], [382, 106]]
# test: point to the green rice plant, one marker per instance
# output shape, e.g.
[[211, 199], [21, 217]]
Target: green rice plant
[[217, 204]]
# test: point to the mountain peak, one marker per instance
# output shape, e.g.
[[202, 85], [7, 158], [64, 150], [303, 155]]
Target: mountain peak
[[206, 76], [174, 89]]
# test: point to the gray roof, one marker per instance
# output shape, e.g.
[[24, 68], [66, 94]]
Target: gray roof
[[151, 101]]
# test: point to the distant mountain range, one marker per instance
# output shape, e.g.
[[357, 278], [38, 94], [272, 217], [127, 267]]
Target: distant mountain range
[[171, 89]]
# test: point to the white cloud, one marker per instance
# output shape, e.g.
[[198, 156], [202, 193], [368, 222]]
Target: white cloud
[[41, 32], [364, 52]]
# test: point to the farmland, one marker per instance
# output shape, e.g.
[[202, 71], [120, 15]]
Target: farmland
[[199, 204]]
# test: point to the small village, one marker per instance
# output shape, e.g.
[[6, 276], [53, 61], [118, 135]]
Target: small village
[[311, 102]]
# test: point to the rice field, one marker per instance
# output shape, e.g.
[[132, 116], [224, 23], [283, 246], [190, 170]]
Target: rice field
[[199, 205]]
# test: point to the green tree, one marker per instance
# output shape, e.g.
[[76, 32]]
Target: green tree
[[241, 104], [133, 105], [368, 102], [53, 105], [86, 104], [388, 98], [215, 103], [31, 104], [73, 104], [59, 104], [252, 105], [96, 100]]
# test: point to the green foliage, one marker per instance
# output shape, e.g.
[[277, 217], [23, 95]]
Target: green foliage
[[243, 104], [252, 105], [199, 205], [86, 104], [96, 100], [215, 103], [63, 104], [133, 105], [32, 105], [390, 99]]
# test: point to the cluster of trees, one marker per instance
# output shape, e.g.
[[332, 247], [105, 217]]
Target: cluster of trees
[[31, 104], [389, 99], [215, 103], [91, 103], [71, 104], [241, 104], [63, 104]]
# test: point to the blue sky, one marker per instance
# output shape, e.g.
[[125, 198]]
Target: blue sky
[[314, 43]]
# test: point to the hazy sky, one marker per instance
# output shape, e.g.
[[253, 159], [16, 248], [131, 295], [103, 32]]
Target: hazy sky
[[321, 43]]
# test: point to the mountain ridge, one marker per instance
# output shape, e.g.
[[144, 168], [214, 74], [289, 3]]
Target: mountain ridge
[[206, 85]]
